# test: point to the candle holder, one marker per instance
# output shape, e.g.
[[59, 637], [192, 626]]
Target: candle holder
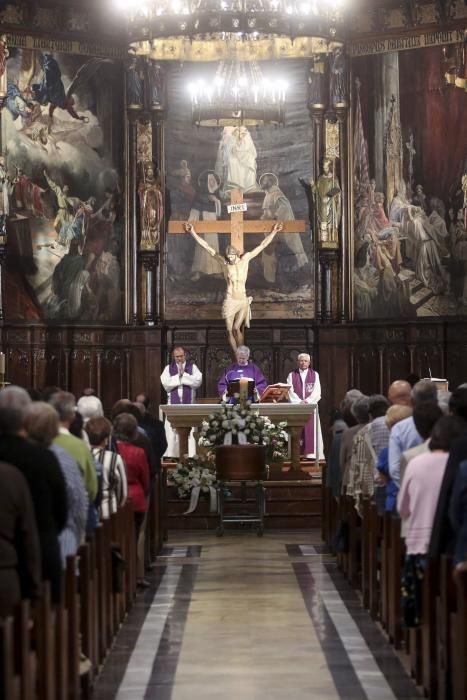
[[243, 392]]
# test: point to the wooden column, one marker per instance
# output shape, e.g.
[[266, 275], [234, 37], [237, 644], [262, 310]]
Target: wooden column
[[343, 307], [2, 262], [158, 154], [317, 116], [133, 218]]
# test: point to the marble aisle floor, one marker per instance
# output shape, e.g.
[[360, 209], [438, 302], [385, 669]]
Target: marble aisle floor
[[250, 618]]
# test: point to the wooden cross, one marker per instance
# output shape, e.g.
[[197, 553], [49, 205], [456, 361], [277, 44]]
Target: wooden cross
[[237, 226]]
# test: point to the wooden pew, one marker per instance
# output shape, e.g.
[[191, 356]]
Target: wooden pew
[[429, 629], [459, 640], [395, 564], [74, 630], [374, 561], [355, 542], [9, 681], [45, 645], [40, 646], [24, 658], [365, 575], [437, 650], [445, 610]]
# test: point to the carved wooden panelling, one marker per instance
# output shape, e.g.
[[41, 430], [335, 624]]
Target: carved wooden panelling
[[81, 374], [18, 366], [217, 359], [367, 370], [263, 358], [111, 365], [17, 337], [396, 363], [129, 360]]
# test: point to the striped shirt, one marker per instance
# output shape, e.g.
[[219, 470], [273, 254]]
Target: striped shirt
[[114, 481]]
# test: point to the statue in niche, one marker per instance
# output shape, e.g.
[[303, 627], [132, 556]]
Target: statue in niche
[[316, 83], [155, 84], [338, 86], [134, 84], [151, 207], [327, 199], [3, 74], [236, 159]]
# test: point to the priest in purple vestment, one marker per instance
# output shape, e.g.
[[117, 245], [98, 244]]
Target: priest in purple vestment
[[306, 388], [180, 379], [242, 368]]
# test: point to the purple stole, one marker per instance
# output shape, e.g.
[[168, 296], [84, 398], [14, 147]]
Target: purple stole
[[303, 391], [186, 394]]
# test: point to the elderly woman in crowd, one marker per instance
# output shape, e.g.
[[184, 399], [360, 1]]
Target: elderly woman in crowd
[[114, 481], [44, 477], [20, 555], [125, 432], [418, 496], [41, 425], [417, 501], [360, 412]]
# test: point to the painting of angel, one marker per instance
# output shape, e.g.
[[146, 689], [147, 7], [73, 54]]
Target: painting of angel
[[63, 171]]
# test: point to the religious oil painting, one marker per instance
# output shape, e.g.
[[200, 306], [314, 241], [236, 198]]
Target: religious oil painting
[[61, 180], [205, 163], [410, 179]]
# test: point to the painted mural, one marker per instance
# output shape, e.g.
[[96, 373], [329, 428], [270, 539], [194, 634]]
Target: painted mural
[[61, 187], [266, 162], [410, 188]]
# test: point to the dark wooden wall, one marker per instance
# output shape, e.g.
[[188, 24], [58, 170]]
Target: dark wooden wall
[[121, 361]]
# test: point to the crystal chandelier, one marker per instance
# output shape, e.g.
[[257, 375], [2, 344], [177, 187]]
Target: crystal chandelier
[[211, 29], [237, 94]]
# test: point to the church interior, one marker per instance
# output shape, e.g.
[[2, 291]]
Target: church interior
[[233, 342]]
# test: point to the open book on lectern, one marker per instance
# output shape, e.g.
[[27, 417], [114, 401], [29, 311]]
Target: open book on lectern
[[275, 393]]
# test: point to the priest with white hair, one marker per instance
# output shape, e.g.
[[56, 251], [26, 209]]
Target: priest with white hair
[[306, 388]]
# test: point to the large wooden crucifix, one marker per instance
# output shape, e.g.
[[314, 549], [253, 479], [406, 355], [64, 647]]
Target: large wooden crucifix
[[236, 307], [237, 226]]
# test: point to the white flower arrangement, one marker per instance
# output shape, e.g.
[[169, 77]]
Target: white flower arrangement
[[241, 424], [232, 425], [192, 477], [192, 473]]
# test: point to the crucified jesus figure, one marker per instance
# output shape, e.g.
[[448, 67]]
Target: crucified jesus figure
[[236, 309]]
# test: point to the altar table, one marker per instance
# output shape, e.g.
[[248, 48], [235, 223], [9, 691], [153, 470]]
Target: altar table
[[184, 417]]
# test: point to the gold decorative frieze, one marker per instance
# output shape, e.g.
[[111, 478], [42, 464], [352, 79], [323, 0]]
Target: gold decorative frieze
[[211, 49], [82, 48], [366, 47]]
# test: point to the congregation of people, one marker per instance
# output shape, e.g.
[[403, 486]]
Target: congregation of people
[[407, 453], [64, 467]]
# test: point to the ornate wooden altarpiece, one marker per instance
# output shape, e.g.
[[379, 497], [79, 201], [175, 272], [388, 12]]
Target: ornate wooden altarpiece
[[121, 359]]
